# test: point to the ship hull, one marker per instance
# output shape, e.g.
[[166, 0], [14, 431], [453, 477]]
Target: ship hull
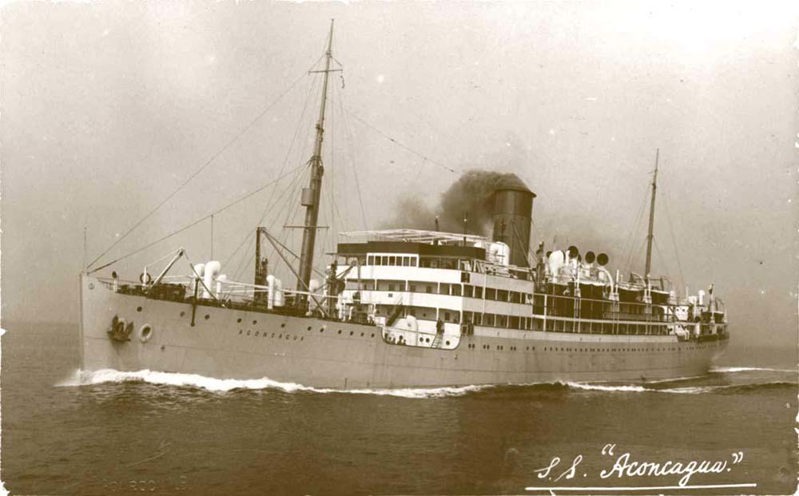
[[244, 344]]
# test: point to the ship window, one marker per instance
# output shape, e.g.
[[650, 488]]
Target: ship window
[[443, 288], [514, 323], [478, 292], [446, 316], [501, 321], [468, 291], [515, 297], [491, 294], [428, 289], [502, 295], [456, 290], [391, 286], [392, 260], [488, 319], [478, 318]]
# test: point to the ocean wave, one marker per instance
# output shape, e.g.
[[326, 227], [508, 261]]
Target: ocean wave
[[731, 370], [607, 388], [89, 378], [104, 376], [726, 388]]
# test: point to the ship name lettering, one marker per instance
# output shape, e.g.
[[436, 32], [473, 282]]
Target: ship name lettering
[[623, 467]]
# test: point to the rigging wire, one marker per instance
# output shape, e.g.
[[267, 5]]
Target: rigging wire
[[249, 252], [235, 202], [208, 162], [674, 241], [268, 206], [400, 144], [630, 245], [348, 134]]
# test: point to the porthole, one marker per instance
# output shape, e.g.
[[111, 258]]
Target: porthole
[[284, 325], [447, 343], [309, 328], [145, 333], [339, 331], [373, 334], [280, 336], [254, 322], [182, 314], [207, 316], [257, 333], [302, 338], [320, 330], [361, 334], [248, 332], [351, 333], [241, 331], [273, 334], [238, 321], [138, 309], [91, 285]]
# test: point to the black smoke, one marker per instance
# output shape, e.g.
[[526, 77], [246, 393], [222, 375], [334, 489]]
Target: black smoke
[[469, 197]]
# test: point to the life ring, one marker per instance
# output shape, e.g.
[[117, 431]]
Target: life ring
[[145, 278], [145, 333]]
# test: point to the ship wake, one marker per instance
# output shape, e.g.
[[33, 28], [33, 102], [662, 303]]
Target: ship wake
[[106, 376], [90, 378]]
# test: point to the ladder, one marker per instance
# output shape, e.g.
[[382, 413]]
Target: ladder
[[437, 340]]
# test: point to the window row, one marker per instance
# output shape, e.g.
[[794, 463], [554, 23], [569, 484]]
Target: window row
[[443, 288], [396, 260]]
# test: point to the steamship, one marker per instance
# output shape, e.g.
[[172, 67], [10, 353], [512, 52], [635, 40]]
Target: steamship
[[405, 308]]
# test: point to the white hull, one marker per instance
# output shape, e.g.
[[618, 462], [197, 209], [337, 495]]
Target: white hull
[[322, 353]]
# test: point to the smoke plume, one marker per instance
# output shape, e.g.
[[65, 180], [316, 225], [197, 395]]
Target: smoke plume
[[469, 197]]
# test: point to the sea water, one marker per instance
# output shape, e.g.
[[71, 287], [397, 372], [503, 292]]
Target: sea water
[[66, 431]]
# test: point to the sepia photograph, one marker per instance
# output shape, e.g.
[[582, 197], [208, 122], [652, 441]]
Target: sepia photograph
[[423, 248]]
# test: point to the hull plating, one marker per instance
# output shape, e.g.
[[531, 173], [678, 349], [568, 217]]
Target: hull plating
[[228, 343]]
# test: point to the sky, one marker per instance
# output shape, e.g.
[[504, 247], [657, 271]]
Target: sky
[[108, 108]]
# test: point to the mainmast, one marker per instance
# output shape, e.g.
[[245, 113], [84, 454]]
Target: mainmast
[[650, 234], [310, 195]]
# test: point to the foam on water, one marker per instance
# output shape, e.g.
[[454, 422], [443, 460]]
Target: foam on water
[[731, 370], [606, 388], [87, 378]]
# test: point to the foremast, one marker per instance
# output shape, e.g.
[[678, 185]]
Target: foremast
[[311, 194], [650, 233]]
